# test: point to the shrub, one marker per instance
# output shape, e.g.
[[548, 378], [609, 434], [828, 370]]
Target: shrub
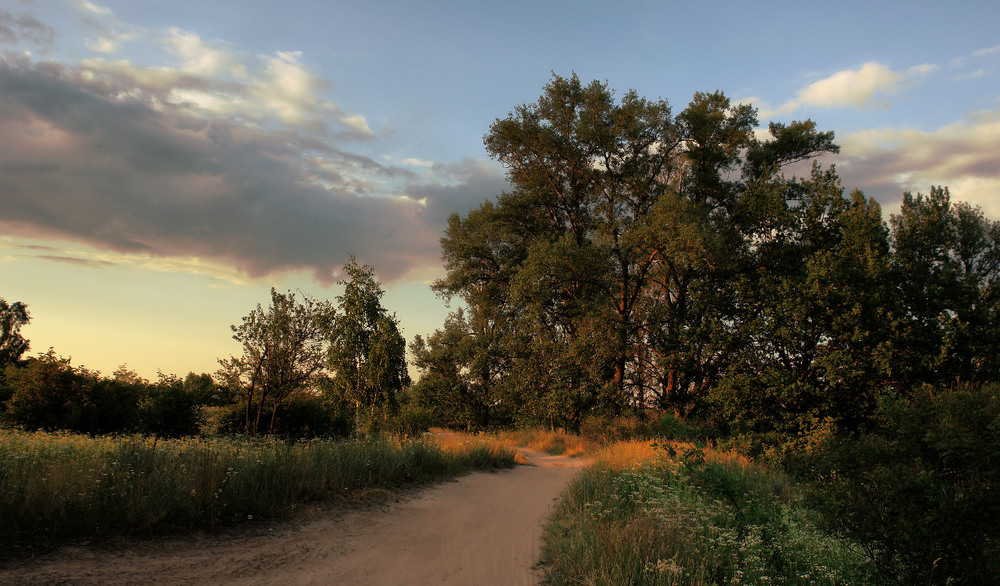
[[696, 517], [921, 494], [411, 420]]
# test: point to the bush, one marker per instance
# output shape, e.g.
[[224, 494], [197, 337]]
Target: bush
[[921, 494], [410, 421], [694, 517], [168, 409]]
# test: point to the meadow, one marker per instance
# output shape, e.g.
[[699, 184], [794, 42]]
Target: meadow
[[59, 486]]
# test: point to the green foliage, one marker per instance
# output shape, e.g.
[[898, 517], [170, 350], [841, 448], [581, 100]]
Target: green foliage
[[12, 344], [920, 494], [48, 393], [688, 521], [367, 353], [410, 421], [606, 278], [284, 352], [946, 267]]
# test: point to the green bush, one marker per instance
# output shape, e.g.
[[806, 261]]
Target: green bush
[[690, 521], [410, 421], [922, 494]]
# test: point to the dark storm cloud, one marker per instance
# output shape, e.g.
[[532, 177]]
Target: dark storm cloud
[[83, 159]]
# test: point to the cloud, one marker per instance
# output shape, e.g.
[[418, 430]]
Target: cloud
[[964, 156], [209, 80], [986, 51], [856, 88], [94, 8], [75, 260], [14, 29], [106, 153]]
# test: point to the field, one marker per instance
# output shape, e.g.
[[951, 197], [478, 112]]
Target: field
[[55, 487]]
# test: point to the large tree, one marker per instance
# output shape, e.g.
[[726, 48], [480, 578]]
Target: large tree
[[595, 275], [284, 351]]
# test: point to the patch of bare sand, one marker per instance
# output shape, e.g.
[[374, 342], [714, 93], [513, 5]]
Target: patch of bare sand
[[484, 528]]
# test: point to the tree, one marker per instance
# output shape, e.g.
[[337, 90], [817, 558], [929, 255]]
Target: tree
[[812, 316], [946, 267], [367, 354], [284, 351], [592, 282], [12, 344]]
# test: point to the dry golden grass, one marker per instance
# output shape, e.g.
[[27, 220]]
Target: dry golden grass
[[555, 442], [453, 441]]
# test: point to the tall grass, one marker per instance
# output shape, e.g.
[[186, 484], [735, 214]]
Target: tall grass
[[556, 442], [677, 514], [56, 486]]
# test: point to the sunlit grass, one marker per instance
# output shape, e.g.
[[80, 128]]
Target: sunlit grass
[[674, 513], [55, 486], [556, 442]]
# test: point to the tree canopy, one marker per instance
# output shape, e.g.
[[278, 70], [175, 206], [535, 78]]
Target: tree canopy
[[643, 258], [284, 351]]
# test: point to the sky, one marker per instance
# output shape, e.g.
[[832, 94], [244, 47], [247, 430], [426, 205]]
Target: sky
[[164, 164]]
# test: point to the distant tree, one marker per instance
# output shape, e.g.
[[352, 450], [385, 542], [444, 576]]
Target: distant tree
[[284, 351], [12, 344], [48, 394], [367, 353], [169, 407], [453, 385]]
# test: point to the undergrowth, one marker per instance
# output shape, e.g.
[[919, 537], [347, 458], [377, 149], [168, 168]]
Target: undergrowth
[[677, 514]]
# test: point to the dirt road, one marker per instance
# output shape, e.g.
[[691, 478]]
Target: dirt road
[[482, 529]]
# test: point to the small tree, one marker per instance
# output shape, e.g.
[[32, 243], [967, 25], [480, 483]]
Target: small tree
[[12, 344], [367, 352], [284, 349]]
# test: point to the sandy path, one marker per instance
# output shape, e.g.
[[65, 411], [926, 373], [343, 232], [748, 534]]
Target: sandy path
[[484, 528]]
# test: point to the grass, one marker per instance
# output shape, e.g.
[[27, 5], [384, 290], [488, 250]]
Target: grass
[[55, 487], [676, 514], [556, 442]]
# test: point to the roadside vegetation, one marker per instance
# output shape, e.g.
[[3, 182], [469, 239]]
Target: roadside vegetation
[[674, 513], [58, 486]]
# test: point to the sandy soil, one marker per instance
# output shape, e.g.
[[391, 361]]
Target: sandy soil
[[484, 528]]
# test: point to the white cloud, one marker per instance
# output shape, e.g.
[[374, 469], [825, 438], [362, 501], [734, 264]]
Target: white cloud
[[414, 162], [987, 51], [864, 87], [288, 89], [357, 124], [200, 59], [103, 45], [850, 88], [210, 80], [94, 8]]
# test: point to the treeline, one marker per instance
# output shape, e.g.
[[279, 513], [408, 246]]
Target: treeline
[[309, 368], [645, 259]]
